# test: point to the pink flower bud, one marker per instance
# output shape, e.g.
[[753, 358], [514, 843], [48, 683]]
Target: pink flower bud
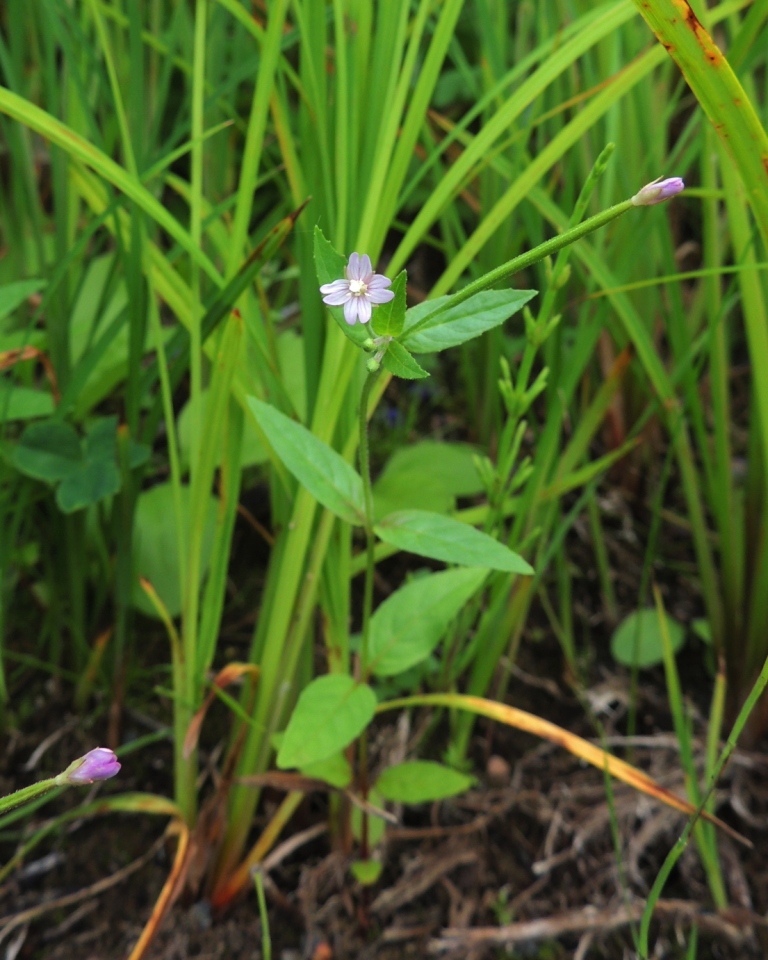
[[98, 764], [658, 191]]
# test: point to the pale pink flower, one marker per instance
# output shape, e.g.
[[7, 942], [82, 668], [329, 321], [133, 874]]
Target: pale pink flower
[[98, 764], [658, 191], [359, 292]]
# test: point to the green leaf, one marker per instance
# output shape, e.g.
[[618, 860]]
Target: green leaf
[[427, 475], [442, 538], [97, 477], [138, 454], [13, 295], [388, 319], [329, 266], [252, 452], [408, 625], [327, 476], [701, 627], [401, 364], [421, 781], [642, 628], [427, 331], [366, 872], [155, 546], [93, 481], [330, 713], [100, 439], [23, 403], [48, 451], [334, 770]]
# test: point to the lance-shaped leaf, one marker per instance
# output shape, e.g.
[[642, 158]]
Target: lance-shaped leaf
[[442, 538], [329, 714], [327, 475], [410, 623], [429, 327]]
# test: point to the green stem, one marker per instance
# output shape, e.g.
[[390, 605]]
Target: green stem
[[676, 851], [32, 792], [370, 543], [516, 264], [370, 540]]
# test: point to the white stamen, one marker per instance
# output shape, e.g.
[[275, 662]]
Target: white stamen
[[357, 288]]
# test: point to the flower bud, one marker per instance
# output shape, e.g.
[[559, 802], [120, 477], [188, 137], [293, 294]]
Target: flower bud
[[369, 344], [658, 191], [373, 365], [98, 764]]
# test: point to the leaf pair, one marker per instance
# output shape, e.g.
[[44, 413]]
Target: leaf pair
[[346, 708], [338, 486]]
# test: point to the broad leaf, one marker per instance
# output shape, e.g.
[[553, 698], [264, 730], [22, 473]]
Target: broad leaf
[[427, 475], [327, 476], [156, 549], [427, 331], [48, 451], [366, 872], [442, 538], [421, 781], [329, 266], [637, 640], [334, 770], [97, 477], [408, 625], [330, 713], [23, 403], [400, 363], [94, 480], [252, 451], [13, 295], [388, 319]]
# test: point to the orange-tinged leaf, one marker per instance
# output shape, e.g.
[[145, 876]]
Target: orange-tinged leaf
[[170, 890], [578, 746], [223, 678]]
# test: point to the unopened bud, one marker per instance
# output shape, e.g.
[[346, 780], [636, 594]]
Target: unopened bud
[[658, 191], [98, 764], [372, 365]]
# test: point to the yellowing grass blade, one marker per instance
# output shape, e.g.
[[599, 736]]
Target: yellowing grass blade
[[170, 890], [717, 88], [578, 746], [223, 678]]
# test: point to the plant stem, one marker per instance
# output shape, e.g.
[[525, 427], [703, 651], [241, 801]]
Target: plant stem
[[527, 259], [370, 543], [365, 472], [32, 792]]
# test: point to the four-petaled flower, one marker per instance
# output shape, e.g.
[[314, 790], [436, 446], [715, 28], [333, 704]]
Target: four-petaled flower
[[658, 191], [362, 290], [98, 764]]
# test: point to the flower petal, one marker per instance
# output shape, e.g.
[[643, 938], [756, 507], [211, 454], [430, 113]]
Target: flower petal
[[335, 286], [350, 310], [352, 269], [378, 280], [380, 296], [366, 270], [338, 297], [363, 309]]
